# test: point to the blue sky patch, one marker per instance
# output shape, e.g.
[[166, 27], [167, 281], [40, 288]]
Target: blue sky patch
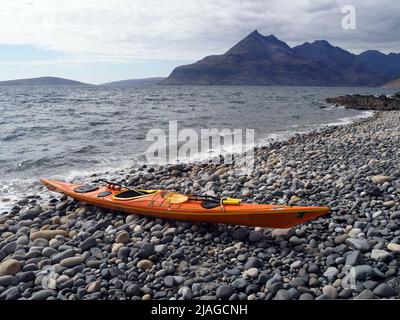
[[19, 53]]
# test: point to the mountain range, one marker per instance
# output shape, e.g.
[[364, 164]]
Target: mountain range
[[266, 60]]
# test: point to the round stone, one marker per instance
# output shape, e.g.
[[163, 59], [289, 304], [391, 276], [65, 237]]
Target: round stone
[[8, 280], [93, 286], [145, 264], [9, 267], [146, 250], [131, 218], [71, 262], [122, 237], [40, 242], [224, 291], [252, 272], [394, 247], [358, 244], [296, 265], [252, 262], [9, 248], [361, 272], [87, 243], [282, 294], [133, 290], [256, 236], [297, 282], [282, 233], [123, 253], [306, 296], [240, 283], [354, 258], [380, 255], [186, 293], [365, 294], [330, 291], [384, 290], [353, 233], [331, 273], [42, 294], [246, 192], [26, 276], [48, 234], [169, 281], [380, 179]]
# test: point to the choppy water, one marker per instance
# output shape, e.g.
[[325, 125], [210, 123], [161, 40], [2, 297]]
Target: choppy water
[[67, 131]]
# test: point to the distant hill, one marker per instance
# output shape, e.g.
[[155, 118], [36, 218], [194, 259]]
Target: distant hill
[[42, 81], [266, 60], [392, 84], [135, 82]]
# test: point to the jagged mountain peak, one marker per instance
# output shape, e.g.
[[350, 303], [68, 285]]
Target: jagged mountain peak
[[255, 44], [266, 60], [323, 51], [254, 33], [258, 36], [319, 45], [372, 53], [322, 43]]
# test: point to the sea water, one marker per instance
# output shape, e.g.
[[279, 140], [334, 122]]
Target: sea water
[[66, 132]]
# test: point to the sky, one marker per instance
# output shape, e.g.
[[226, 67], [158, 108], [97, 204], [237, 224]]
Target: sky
[[98, 41]]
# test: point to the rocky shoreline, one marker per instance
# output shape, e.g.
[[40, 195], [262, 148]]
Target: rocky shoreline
[[368, 102], [61, 249]]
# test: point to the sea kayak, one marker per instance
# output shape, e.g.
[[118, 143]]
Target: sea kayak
[[171, 205]]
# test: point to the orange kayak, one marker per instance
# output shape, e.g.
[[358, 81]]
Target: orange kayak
[[170, 205]]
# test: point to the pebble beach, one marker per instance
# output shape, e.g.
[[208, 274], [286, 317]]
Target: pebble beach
[[58, 248]]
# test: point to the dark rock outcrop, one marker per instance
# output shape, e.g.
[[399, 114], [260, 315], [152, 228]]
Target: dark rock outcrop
[[367, 102]]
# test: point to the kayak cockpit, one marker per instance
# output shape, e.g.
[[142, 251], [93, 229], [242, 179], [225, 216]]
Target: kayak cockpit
[[133, 194]]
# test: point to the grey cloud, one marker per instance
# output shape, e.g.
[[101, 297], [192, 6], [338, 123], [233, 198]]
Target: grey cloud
[[191, 29], [298, 21], [320, 5]]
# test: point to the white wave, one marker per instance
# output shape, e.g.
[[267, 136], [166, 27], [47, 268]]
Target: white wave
[[348, 120], [334, 107], [15, 189]]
